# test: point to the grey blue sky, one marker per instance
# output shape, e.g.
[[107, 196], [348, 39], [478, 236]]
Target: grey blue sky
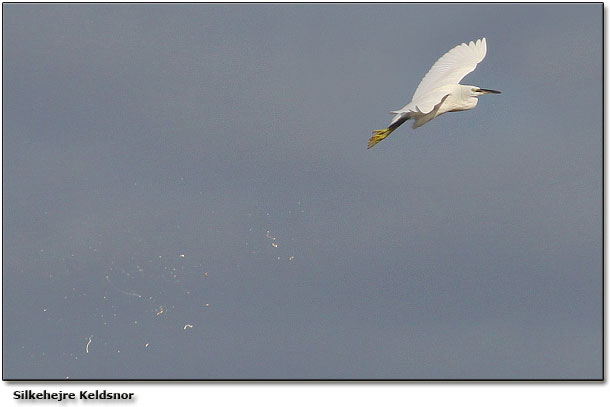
[[187, 194]]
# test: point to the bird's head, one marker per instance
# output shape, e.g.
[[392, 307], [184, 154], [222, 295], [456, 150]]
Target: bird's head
[[476, 91]]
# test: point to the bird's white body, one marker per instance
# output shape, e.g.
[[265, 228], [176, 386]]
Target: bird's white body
[[448, 98], [440, 91]]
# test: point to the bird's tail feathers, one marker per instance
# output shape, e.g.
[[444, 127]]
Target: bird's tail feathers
[[379, 135]]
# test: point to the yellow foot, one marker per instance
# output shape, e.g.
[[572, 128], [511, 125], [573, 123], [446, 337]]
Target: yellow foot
[[378, 135]]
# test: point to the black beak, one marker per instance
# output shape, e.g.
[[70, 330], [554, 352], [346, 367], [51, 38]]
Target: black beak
[[495, 92]]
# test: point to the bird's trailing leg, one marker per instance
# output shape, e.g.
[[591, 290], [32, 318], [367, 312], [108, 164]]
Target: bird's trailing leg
[[379, 135]]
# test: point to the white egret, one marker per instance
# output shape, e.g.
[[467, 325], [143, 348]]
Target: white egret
[[440, 90]]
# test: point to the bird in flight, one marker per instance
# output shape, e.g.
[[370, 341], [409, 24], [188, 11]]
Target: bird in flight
[[440, 90]]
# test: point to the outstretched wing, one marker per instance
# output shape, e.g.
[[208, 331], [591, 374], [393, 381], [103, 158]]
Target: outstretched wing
[[452, 67]]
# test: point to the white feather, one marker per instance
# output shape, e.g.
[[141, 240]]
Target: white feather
[[450, 69]]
